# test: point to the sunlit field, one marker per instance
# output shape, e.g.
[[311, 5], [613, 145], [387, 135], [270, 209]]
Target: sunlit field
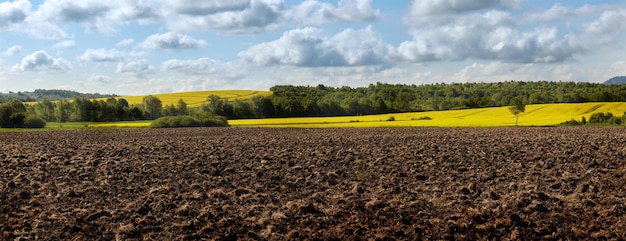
[[197, 98], [535, 115]]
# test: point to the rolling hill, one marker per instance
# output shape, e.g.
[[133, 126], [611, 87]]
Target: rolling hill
[[40, 94], [617, 80], [197, 98]]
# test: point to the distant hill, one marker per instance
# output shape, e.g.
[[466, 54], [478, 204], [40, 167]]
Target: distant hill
[[197, 98], [617, 80], [39, 94]]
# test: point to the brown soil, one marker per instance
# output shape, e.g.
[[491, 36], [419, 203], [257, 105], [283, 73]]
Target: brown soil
[[327, 184]]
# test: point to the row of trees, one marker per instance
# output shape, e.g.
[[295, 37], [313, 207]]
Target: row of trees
[[13, 114], [599, 119], [110, 109], [381, 98], [288, 101]]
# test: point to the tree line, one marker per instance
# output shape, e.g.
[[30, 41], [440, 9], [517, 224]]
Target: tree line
[[14, 113], [109, 109], [379, 98], [294, 101], [41, 94], [599, 118]]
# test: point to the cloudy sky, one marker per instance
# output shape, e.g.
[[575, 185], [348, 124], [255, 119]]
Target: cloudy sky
[[154, 46]]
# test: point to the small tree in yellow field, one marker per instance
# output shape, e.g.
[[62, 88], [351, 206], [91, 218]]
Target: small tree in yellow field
[[517, 107]]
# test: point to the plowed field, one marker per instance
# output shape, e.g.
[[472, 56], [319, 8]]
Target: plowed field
[[314, 184]]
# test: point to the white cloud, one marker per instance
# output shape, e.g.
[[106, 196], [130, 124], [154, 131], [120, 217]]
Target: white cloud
[[143, 11], [450, 30], [137, 67], [423, 8], [499, 71], [295, 47], [492, 35], [87, 10], [309, 47], [13, 50], [355, 76], [102, 55], [253, 16], [199, 66], [72, 11], [40, 61], [315, 12], [619, 67], [235, 17], [604, 29], [97, 16], [559, 12], [99, 79], [43, 30], [257, 16], [65, 44], [13, 12], [125, 43], [359, 47], [17, 16], [204, 70], [171, 40], [200, 8]]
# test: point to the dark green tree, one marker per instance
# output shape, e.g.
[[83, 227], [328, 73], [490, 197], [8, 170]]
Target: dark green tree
[[32, 121], [12, 114], [517, 107], [181, 107], [62, 110], [261, 106], [45, 109], [242, 109], [215, 104], [152, 107]]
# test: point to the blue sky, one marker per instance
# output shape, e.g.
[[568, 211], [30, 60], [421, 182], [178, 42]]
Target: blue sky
[[155, 46]]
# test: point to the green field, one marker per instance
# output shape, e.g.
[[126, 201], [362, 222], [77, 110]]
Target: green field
[[535, 115], [85, 125]]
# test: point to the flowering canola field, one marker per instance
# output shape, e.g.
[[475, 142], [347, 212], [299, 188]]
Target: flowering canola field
[[535, 115], [197, 98]]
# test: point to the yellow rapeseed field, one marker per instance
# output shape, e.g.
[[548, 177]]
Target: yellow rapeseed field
[[197, 98], [535, 115]]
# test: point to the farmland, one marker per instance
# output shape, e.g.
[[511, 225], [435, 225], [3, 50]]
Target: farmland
[[301, 184], [535, 115], [197, 98]]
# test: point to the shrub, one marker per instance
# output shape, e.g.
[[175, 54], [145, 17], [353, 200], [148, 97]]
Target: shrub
[[175, 121], [16, 120], [605, 118], [210, 120], [215, 121], [33, 121], [163, 122], [188, 121], [391, 118], [571, 122]]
